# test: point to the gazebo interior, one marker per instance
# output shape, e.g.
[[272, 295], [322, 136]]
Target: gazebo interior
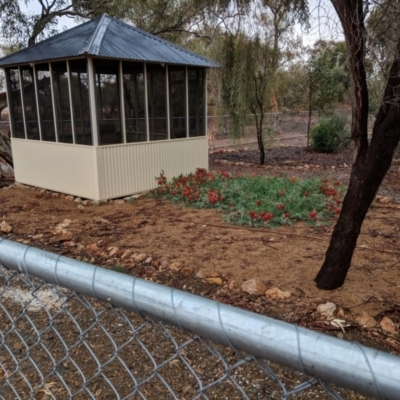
[[135, 102]]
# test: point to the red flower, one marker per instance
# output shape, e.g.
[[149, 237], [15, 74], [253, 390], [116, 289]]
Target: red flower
[[313, 214]]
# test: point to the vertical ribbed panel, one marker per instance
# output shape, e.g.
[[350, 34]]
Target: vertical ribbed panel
[[129, 168], [59, 167]]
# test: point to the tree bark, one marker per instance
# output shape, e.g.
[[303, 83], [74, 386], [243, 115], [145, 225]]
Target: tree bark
[[370, 166], [260, 140]]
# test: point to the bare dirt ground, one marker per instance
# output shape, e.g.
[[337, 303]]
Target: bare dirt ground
[[195, 250]]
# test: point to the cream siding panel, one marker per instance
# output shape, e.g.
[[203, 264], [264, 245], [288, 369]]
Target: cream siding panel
[[56, 166], [130, 168]]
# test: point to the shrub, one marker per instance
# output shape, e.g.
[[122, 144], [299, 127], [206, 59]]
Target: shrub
[[330, 134]]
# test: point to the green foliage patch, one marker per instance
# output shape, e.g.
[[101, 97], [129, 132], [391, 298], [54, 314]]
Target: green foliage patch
[[330, 134], [255, 201]]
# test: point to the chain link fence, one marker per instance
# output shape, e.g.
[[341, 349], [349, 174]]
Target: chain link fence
[[284, 128], [74, 330]]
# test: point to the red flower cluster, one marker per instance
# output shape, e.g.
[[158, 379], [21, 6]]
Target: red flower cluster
[[331, 195], [214, 196], [162, 180], [263, 215]]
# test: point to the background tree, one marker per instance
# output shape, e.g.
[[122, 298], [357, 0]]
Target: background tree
[[372, 159], [22, 27], [251, 61], [327, 78], [169, 18], [248, 81]]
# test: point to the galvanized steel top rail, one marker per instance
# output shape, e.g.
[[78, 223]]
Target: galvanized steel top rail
[[368, 371]]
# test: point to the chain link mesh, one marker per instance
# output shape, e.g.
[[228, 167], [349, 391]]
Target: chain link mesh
[[58, 344], [285, 128]]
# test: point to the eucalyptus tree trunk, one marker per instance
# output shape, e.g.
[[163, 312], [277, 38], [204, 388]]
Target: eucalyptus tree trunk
[[260, 139], [371, 160]]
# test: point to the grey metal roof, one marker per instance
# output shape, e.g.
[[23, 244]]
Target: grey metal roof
[[107, 37]]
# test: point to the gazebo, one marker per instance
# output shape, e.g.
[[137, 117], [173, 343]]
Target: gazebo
[[99, 110]]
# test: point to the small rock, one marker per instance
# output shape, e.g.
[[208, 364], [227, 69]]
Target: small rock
[[78, 200], [148, 260], [139, 257], [5, 227], [86, 202], [18, 346], [216, 281], [388, 325], [93, 247], [254, 286], [70, 198], [277, 294], [340, 313], [366, 321], [42, 191], [164, 263], [119, 201], [81, 207], [384, 200], [127, 253], [176, 266], [39, 236], [65, 223], [327, 309], [201, 274], [128, 198], [113, 251], [55, 195], [186, 270]]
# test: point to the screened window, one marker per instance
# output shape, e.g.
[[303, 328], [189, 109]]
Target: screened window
[[16, 104], [45, 102], [107, 97], [177, 102], [157, 104], [197, 107], [135, 118], [80, 101], [29, 96], [61, 102]]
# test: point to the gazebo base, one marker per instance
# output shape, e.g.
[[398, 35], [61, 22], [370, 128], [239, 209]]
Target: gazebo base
[[106, 172]]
